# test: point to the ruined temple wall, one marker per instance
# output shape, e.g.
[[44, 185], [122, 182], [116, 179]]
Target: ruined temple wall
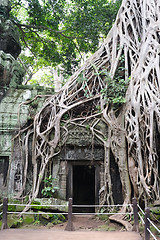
[[10, 123], [78, 151]]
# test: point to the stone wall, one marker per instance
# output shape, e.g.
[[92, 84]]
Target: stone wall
[[78, 151], [10, 122]]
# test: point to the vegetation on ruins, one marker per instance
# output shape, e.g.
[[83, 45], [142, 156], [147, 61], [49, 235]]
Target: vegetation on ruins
[[49, 190], [125, 66]]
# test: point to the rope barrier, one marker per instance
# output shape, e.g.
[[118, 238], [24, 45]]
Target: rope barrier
[[67, 213], [87, 206], [86, 214], [119, 205], [24, 205], [35, 205], [119, 213], [149, 222], [151, 234], [101, 213], [37, 213], [140, 209], [153, 225], [141, 218]]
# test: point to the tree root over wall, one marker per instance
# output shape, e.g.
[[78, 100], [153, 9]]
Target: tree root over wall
[[133, 48]]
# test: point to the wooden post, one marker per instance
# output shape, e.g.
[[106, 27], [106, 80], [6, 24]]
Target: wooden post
[[4, 218], [70, 226], [147, 224], [135, 212]]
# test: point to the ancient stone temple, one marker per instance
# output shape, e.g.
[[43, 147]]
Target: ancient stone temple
[[78, 168], [10, 73], [81, 171]]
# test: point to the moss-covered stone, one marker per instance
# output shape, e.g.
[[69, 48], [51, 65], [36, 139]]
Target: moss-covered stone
[[16, 207], [10, 102], [11, 208], [49, 225], [36, 207], [13, 221], [103, 217], [28, 219], [19, 208], [155, 210], [51, 218], [155, 214], [47, 216], [56, 221], [52, 201]]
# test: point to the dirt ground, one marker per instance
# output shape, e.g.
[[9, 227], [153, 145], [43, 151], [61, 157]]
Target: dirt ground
[[86, 228], [90, 223], [43, 234]]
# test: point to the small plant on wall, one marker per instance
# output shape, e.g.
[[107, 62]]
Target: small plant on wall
[[49, 190]]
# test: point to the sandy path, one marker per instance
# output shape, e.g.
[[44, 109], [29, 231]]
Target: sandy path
[[85, 226], [43, 234]]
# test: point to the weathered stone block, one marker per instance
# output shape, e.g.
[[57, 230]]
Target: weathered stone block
[[54, 201]]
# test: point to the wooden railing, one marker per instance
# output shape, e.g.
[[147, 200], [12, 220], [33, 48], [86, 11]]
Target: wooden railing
[[138, 213]]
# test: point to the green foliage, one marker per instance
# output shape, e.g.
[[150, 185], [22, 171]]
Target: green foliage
[[65, 116], [49, 219], [37, 222], [81, 78], [20, 220], [35, 207], [49, 189], [156, 210], [56, 219], [11, 208], [60, 32], [44, 79], [155, 214], [87, 127], [103, 217], [98, 107], [13, 221], [116, 88]]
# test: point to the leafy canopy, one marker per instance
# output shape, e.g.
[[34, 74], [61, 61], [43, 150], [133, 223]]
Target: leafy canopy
[[60, 32]]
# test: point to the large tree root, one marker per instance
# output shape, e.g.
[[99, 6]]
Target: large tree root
[[119, 219], [132, 50]]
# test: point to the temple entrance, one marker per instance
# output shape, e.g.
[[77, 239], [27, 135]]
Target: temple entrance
[[83, 184], [83, 187]]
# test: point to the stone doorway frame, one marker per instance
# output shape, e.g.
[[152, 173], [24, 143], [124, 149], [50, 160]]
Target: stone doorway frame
[[69, 179]]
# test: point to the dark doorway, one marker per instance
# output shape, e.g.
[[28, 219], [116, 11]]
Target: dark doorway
[[4, 164], [83, 187]]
